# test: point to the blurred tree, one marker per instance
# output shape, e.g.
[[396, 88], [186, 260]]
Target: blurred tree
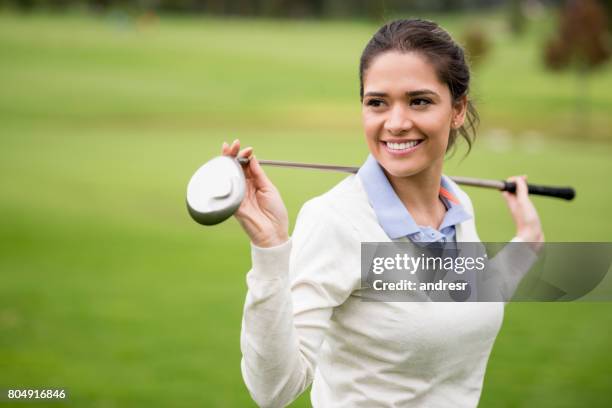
[[25, 5], [99, 5], [608, 6], [292, 8], [582, 44], [517, 17], [450, 5], [477, 45], [376, 10]]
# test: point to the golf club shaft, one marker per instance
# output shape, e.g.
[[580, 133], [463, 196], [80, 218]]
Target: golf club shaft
[[566, 193]]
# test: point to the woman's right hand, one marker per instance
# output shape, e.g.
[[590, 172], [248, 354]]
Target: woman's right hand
[[524, 213], [262, 213]]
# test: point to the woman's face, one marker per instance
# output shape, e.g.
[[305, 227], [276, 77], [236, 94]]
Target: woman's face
[[407, 114]]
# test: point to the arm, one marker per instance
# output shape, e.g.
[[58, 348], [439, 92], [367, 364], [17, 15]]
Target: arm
[[521, 254], [293, 289], [272, 366], [510, 265]]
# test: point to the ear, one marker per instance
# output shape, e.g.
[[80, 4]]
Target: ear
[[459, 112]]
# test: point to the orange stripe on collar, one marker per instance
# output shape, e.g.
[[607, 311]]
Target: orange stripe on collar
[[448, 195]]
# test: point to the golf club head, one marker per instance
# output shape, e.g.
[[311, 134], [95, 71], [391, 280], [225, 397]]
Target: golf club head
[[216, 190]]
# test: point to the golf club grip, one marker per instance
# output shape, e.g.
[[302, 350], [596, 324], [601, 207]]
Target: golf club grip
[[566, 193]]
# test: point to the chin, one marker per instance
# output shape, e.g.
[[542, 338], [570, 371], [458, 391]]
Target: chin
[[400, 169]]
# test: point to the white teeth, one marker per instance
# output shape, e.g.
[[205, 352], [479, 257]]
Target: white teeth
[[402, 146]]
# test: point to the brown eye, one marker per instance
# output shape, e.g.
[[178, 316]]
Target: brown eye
[[375, 103], [420, 102]]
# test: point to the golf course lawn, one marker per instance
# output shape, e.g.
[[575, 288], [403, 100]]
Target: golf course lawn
[[109, 290]]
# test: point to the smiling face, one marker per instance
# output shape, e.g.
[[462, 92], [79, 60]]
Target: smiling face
[[407, 114]]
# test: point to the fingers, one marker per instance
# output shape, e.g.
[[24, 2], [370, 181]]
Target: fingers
[[231, 150], [259, 176], [521, 190], [520, 195], [508, 196], [511, 201], [246, 152], [524, 213], [234, 149], [521, 186], [253, 170]]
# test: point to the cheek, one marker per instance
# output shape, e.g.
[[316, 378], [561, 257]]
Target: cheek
[[371, 125], [436, 127]]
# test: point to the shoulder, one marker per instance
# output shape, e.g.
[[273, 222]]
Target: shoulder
[[343, 212], [340, 206], [340, 196], [326, 245]]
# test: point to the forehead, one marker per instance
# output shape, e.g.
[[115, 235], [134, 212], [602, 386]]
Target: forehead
[[402, 72]]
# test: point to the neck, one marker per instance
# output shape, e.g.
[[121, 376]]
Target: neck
[[420, 195]]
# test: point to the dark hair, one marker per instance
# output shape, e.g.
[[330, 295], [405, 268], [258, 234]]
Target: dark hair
[[434, 43]]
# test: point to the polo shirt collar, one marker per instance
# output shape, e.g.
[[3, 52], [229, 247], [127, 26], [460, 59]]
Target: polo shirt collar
[[391, 213]]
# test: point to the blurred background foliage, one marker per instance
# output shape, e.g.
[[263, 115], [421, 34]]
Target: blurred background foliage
[[300, 8], [108, 289]]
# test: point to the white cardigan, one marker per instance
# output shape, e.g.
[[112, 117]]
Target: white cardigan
[[304, 321]]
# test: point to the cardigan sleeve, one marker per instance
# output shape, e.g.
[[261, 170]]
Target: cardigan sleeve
[[292, 290], [511, 264]]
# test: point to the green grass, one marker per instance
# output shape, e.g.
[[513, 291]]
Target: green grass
[[107, 287]]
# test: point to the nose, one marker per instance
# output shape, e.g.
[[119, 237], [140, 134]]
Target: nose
[[398, 121]]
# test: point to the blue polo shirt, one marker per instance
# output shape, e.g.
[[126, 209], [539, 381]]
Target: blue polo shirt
[[393, 216]]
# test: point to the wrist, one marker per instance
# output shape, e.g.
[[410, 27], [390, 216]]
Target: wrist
[[270, 241], [534, 239]]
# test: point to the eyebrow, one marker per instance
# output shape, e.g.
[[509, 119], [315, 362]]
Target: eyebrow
[[418, 92]]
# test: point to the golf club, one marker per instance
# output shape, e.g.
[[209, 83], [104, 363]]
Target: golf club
[[216, 189]]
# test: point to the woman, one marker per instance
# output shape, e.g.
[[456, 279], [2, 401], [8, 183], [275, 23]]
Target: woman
[[304, 321]]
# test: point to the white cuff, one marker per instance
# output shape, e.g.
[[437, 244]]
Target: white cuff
[[270, 263], [524, 258]]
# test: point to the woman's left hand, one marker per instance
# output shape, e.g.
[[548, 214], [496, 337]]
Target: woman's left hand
[[526, 219]]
